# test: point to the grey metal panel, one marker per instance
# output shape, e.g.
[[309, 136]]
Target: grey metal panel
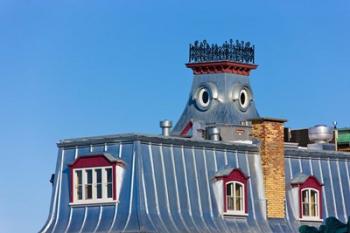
[[126, 214], [184, 199], [328, 191], [55, 187], [225, 83], [78, 216], [191, 183], [106, 218], [337, 192], [62, 219], [345, 179], [92, 214], [98, 148], [306, 166]]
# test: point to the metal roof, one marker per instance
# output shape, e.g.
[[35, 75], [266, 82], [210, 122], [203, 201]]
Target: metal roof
[[167, 186]]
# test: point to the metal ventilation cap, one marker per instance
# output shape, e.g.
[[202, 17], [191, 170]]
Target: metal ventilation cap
[[320, 134], [213, 133], [165, 125]]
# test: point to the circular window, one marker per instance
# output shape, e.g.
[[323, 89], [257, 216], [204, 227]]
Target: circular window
[[203, 98], [244, 99]]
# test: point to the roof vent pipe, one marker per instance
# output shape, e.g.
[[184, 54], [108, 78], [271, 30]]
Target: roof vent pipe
[[213, 133], [166, 126]]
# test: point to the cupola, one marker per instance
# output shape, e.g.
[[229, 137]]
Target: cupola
[[221, 93]]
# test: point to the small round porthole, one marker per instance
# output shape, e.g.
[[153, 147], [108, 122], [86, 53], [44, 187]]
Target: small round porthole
[[244, 99], [203, 98]]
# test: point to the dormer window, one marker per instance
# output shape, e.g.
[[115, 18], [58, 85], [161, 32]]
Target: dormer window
[[231, 191], [309, 196], [96, 179]]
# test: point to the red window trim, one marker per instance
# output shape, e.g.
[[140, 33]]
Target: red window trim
[[238, 176], [91, 161], [310, 183]]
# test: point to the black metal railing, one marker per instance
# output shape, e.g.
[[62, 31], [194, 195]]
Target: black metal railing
[[238, 51]]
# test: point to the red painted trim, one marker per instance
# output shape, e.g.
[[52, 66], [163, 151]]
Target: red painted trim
[[221, 67], [91, 161], [187, 128], [238, 176]]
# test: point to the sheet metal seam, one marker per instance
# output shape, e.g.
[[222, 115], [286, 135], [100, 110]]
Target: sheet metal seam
[[99, 219], [198, 191], [187, 189], [59, 193], [341, 191], [116, 204], [250, 188], [332, 188], [55, 202], [69, 220], [166, 187], [131, 188], [323, 189], [84, 220], [176, 188]]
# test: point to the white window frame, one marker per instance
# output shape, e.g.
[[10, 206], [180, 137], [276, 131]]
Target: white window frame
[[94, 199], [317, 202], [235, 212]]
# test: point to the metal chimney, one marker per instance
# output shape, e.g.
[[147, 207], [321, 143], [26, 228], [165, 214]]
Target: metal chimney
[[213, 133], [166, 126]]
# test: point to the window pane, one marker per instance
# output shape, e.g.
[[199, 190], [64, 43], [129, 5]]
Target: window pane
[[109, 174], [79, 177], [79, 186], [88, 191], [313, 203], [306, 203], [89, 176], [305, 196], [109, 190], [88, 186], [239, 197], [305, 209], [80, 192], [229, 189], [230, 202], [109, 183], [98, 183], [98, 175]]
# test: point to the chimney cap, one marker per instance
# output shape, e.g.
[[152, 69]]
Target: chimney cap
[[166, 124]]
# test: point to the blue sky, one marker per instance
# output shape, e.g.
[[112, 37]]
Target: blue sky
[[84, 68]]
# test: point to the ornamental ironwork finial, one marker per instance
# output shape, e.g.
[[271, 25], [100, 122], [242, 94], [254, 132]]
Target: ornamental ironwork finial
[[238, 51]]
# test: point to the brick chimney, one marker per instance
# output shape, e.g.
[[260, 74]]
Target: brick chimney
[[270, 132]]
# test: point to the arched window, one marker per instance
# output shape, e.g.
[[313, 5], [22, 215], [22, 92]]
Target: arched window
[[232, 191], [310, 203], [309, 190], [234, 197]]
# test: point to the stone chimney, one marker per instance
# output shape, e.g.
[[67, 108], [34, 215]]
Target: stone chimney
[[270, 132]]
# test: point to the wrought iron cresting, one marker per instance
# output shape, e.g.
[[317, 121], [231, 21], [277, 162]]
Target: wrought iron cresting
[[238, 51]]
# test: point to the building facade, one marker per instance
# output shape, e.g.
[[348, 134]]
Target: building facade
[[222, 168]]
